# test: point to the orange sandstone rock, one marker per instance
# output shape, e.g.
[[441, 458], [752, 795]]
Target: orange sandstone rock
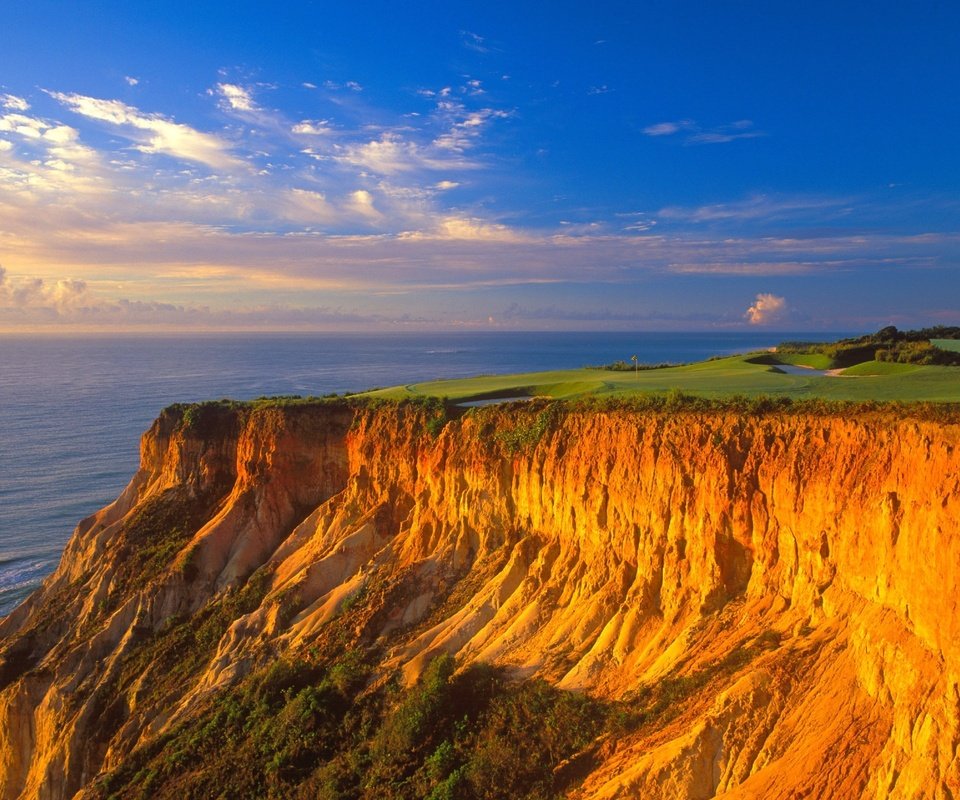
[[802, 572]]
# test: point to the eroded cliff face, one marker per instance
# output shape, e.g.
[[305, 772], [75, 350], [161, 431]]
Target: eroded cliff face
[[798, 573]]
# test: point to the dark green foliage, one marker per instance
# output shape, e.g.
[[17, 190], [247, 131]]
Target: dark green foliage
[[436, 410], [887, 344], [528, 428], [309, 728], [151, 539], [213, 418], [627, 366], [172, 655], [299, 729], [677, 401]]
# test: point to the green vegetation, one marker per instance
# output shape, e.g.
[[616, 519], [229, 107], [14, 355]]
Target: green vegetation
[[887, 344], [887, 366], [526, 430], [627, 366], [303, 727]]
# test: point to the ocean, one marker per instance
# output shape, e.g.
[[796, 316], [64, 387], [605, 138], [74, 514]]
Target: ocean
[[72, 408]]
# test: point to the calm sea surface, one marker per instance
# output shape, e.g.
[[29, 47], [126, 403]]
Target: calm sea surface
[[72, 409]]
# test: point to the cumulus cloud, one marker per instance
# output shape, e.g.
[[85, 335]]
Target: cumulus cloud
[[13, 102], [765, 309], [66, 302], [34, 293], [469, 229], [153, 133], [28, 127], [130, 80], [361, 203]]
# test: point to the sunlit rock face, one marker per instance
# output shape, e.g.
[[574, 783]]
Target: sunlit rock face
[[795, 575]]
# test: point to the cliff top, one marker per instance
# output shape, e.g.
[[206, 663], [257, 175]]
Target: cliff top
[[797, 376]]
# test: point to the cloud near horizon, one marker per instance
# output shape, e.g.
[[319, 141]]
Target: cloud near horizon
[[766, 308]]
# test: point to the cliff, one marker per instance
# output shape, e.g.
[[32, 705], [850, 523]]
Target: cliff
[[760, 605]]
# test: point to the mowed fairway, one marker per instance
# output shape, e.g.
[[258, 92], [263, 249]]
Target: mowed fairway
[[724, 377]]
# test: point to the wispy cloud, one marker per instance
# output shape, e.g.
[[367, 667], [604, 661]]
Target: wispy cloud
[[762, 207], [334, 86], [153, 133], [696, 134], [465, 127], [130, 80], [475, 42], [391, 154], [236, 97]]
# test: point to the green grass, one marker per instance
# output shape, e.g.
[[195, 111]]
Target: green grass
[[813, 360], [951, 345], [868, 368], [719, 378]]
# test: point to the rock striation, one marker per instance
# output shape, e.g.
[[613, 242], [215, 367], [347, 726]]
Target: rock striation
[[797, 572]]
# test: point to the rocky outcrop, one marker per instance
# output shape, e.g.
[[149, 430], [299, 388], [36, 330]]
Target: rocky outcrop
[[793, 578]]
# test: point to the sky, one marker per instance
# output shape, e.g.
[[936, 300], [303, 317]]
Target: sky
[[383, 166]]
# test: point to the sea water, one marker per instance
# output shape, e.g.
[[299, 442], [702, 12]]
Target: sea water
[[72, 408]]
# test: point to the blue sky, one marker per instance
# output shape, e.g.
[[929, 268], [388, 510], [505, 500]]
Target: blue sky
[[649, 165]]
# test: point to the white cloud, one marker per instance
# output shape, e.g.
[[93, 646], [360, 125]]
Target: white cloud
[[28, 127], [35, 293], [765, 309], [131, 81], [333, 86], [237, 98], [361, 203], [469, 229], [444, 186], [391, 155], [161, 135], [320, 127], [5, 145], [465, 127], [13, 102]]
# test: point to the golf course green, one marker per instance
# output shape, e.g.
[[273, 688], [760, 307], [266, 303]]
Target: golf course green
[[751, 375]]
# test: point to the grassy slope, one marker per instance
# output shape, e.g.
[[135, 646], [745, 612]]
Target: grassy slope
[[717, 378], [953, 345]]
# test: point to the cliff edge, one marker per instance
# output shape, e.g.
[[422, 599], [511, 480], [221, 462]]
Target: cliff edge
[[736, 605]]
